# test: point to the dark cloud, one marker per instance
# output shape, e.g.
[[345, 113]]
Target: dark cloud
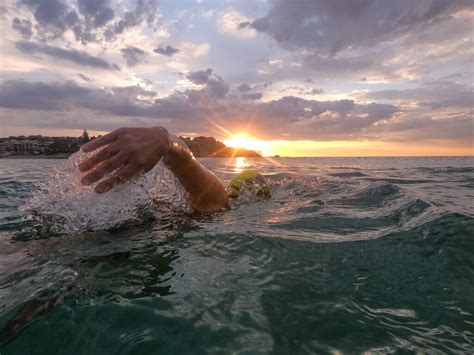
[[78, 57], [146, 10], [434, 94], [20, 94], [329, 27], [66, 96], [22, 26], [133, 55], [415, 128], [288, 117], [254, 96], [244, 87], [350, 66], [92, 20], [97, 11], [314, 91], [168, 50], [295, 118], [199, 77], [308, 81], [214, 85], [53, 16], [376, 40]]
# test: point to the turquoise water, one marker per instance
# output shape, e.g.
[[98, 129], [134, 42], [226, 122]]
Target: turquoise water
[[351, 255]]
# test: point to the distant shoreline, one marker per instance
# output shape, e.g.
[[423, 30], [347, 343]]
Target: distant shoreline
[[66, 156], [56, 156]]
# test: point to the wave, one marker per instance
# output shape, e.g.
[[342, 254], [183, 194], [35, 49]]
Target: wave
[[349, 174]]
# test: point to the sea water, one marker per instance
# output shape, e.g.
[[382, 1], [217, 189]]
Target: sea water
[[350, 255]]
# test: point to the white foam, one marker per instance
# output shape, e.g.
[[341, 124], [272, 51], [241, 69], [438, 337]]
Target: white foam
[[63, 205]]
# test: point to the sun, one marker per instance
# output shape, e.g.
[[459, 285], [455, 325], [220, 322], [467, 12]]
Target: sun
[[241, 140]]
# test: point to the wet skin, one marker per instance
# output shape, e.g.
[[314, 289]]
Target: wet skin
[[129, 152]]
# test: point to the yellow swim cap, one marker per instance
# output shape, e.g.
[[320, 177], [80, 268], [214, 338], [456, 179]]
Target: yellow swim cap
[[249, 176]]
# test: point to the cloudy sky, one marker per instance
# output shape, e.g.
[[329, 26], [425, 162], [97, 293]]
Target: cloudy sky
[[307, 77]]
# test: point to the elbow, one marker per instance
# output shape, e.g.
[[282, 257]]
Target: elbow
[[218, 201]]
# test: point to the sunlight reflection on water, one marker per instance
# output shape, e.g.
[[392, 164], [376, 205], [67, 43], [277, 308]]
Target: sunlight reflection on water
[[240, 164]]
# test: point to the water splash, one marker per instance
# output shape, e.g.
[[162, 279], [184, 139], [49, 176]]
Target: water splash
[[63, 205]]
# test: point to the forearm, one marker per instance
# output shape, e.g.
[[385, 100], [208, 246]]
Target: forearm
[[206, 190]]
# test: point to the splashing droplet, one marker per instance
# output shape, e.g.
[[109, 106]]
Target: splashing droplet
[[62, 205]]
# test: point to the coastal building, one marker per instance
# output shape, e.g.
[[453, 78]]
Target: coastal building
[[20, 147], [40, 145]]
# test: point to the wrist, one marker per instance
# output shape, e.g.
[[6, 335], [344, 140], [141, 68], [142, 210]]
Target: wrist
[[163, 139], [177, 154]]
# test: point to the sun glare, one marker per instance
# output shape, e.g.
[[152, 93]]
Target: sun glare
[[244, 141]]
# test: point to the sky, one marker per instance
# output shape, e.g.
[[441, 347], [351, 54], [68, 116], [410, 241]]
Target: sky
[[293, 77]]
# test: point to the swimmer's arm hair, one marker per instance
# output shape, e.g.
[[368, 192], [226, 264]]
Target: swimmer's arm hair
[[131, 151]]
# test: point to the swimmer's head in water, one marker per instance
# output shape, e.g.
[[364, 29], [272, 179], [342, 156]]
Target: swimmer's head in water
[[249, 178]]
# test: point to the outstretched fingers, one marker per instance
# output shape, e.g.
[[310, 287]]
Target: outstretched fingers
[[104, 154], [103, 169], [99, 142], [125, 173]]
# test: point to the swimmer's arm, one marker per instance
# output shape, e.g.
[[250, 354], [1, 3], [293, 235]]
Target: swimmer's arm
[[128, 152], [206, 190]]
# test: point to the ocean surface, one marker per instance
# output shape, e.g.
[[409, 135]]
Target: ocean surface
[[351, 255]]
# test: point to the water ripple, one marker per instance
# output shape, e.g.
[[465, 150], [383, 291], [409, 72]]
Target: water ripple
[[349, 256]]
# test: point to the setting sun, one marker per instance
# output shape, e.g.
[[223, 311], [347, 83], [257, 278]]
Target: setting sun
[[244, 141]]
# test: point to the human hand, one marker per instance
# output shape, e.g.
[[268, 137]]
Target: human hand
[[128, 152]]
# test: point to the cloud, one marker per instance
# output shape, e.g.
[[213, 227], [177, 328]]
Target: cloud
[[90, 20], [168, 51], [289, 117], [133, 55], [244, 87], [20, 94], [22, 26], [254, 96], [229, 22], [314, 91], [72, 55], [52, 16], [383, 41], [98, 12], [247, 87], [214, 85], [434, 94], [329, 27], [65, 96], [199, 77], [145, 10], [409, 128]]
